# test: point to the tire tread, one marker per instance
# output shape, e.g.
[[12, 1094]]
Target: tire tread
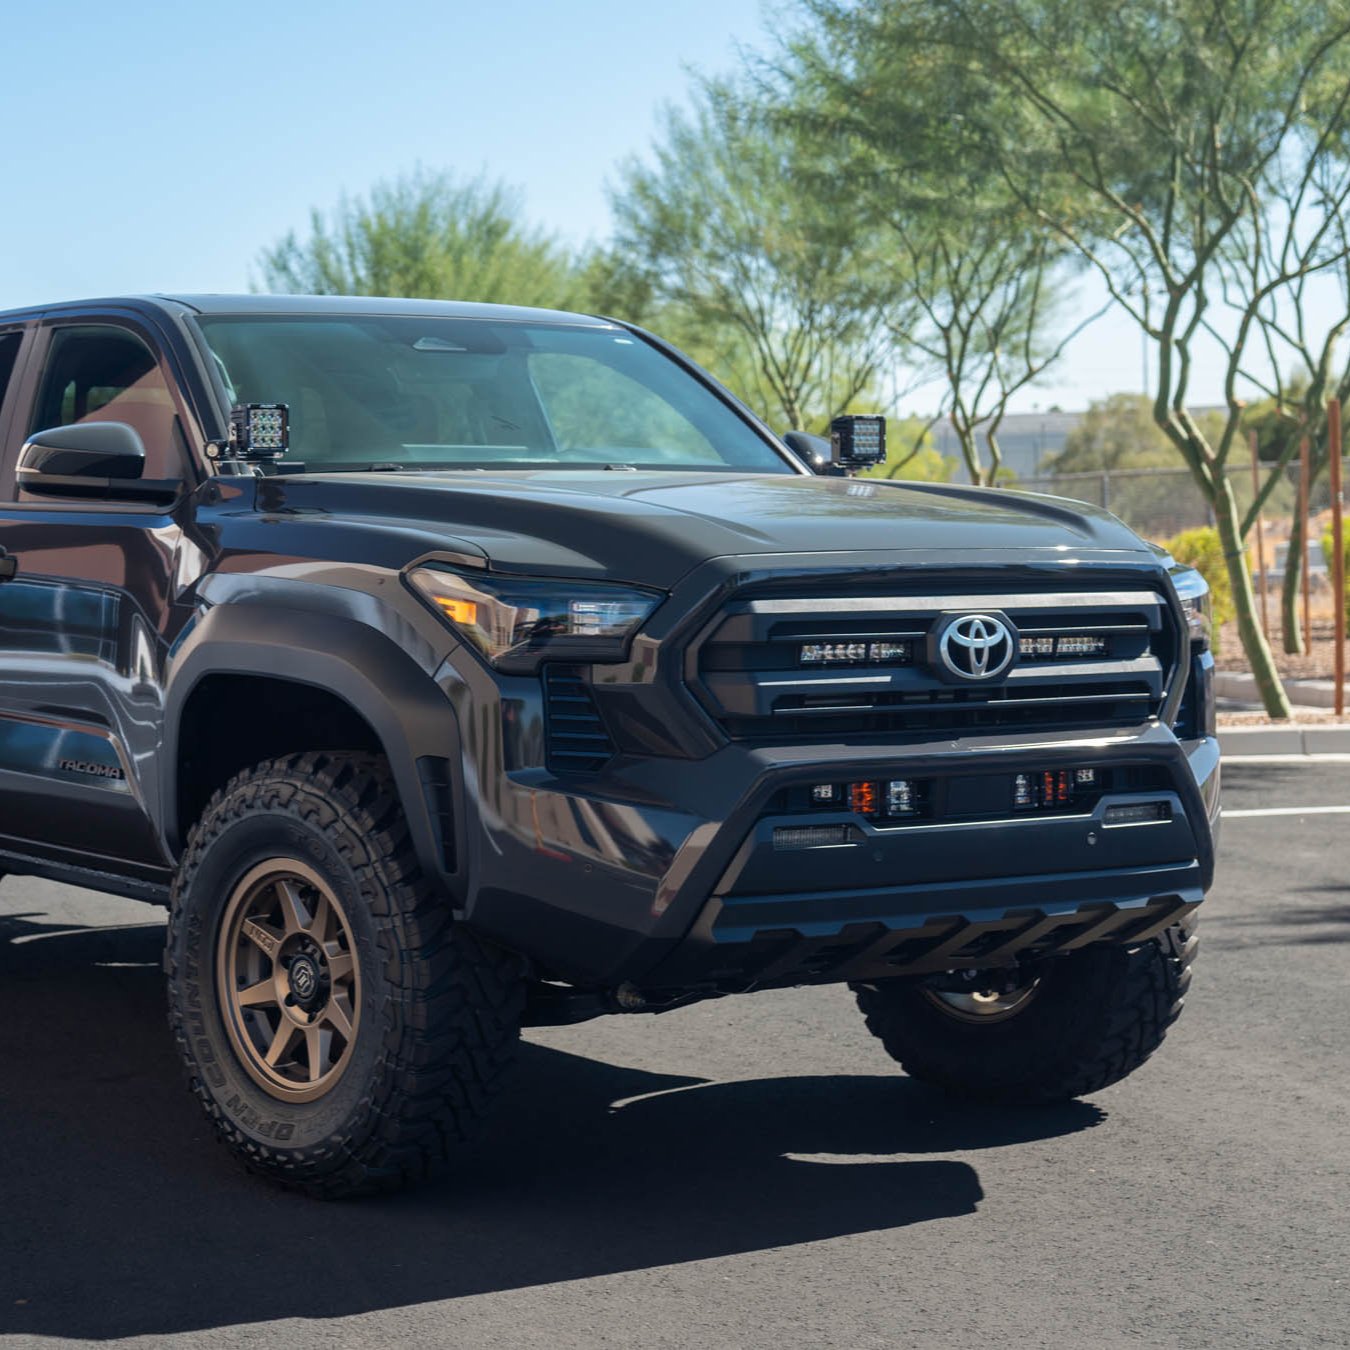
[[452, 1010], [1144, 991]]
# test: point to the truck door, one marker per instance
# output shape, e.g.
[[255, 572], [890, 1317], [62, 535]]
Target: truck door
[[87, 618]]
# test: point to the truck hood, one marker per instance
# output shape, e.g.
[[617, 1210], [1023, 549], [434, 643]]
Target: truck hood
[[654, 527]]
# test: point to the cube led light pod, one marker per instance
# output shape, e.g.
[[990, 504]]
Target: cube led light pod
[[858, 440], [259, 430], [1051, 787]]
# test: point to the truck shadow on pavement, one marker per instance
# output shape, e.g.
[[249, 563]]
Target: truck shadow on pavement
[[119, 1216], [1297, 917]]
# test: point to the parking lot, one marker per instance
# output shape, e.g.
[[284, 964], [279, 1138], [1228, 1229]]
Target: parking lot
[[753, 1172]]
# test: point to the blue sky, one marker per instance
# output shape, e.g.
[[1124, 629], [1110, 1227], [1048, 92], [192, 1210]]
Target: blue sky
[[159, 147], [153, 146]]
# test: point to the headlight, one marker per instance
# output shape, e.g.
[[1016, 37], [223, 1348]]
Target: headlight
[[516, 623], [1193, 592]]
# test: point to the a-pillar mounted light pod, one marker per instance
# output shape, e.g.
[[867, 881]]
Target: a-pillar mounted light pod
[[259, 431], [858, 440]]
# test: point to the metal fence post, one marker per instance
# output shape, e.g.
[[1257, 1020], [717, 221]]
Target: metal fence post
[[1260, 533], [1337, 547], [1305, 516]]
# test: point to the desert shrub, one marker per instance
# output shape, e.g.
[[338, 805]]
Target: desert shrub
[[1327, 554], [1200, 548]]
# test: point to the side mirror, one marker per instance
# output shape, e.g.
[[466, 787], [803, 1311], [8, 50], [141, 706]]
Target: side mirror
[[815, 450], [91, 459], [856, 441]]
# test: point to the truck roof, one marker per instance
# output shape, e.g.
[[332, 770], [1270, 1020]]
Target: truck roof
[[312, 305]]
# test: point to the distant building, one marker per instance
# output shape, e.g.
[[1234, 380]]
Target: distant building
[[1025, 438]]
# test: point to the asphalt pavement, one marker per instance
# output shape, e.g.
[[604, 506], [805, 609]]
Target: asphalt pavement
[[748, 1173]]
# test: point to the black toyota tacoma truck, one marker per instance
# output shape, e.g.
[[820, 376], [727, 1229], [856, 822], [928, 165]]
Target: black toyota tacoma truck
[[447, 669]]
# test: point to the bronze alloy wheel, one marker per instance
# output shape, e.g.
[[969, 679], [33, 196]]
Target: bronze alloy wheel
[[289, 983], [982, 1005]]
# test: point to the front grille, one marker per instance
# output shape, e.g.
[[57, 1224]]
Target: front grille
[[576, 739], [1085, 659]]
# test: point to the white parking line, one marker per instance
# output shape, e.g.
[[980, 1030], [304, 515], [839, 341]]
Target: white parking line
[[1289, 811], [1309, 760]]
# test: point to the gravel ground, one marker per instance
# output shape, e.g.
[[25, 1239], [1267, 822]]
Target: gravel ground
[[1317, 663]]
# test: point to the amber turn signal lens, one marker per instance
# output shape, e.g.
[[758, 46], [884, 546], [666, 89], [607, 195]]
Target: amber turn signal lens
[[458, 611]]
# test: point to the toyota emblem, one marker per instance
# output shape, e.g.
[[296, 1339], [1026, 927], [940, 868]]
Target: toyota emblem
[[977, 646]]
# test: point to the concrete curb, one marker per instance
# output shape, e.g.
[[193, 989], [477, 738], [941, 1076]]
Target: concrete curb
[[1291, 739], [1241, 688]]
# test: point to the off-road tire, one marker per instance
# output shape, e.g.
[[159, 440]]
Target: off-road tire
[[439, 1010], [1097, 1015]]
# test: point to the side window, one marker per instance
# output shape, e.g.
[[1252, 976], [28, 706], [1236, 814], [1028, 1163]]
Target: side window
[[10, 345], [106, 374], [9, 354]]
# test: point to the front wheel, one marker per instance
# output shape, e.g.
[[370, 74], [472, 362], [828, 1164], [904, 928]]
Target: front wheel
[[341, 1031], [1075, 1025]]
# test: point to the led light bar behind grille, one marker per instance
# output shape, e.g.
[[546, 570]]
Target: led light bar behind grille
[[1044, 646], [856, 653]]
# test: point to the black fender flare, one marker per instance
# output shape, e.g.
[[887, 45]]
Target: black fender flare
[[378, 679]]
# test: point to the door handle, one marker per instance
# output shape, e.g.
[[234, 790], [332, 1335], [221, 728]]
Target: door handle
[[8, 566]]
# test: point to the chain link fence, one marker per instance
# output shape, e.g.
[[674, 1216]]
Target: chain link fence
[[1160, 503]]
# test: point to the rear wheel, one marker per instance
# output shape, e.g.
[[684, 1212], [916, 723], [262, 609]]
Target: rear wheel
[[1075, 1025], [342, 1032]]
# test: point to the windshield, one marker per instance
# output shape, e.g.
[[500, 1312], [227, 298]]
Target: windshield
[[479, 394]]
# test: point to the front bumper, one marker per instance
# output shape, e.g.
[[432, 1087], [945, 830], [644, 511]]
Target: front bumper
[[663, 873]]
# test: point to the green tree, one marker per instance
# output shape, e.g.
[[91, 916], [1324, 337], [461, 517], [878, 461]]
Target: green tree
[[1295, 411], [983, 275], [1157, 140], [1119, 442], [986, 294], [427, 235], [765, 281], [1116, 433], [912, 455]]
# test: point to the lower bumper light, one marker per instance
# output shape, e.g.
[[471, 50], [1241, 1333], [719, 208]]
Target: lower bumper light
[[812, 836], [1042, 791], [1137, 813]]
